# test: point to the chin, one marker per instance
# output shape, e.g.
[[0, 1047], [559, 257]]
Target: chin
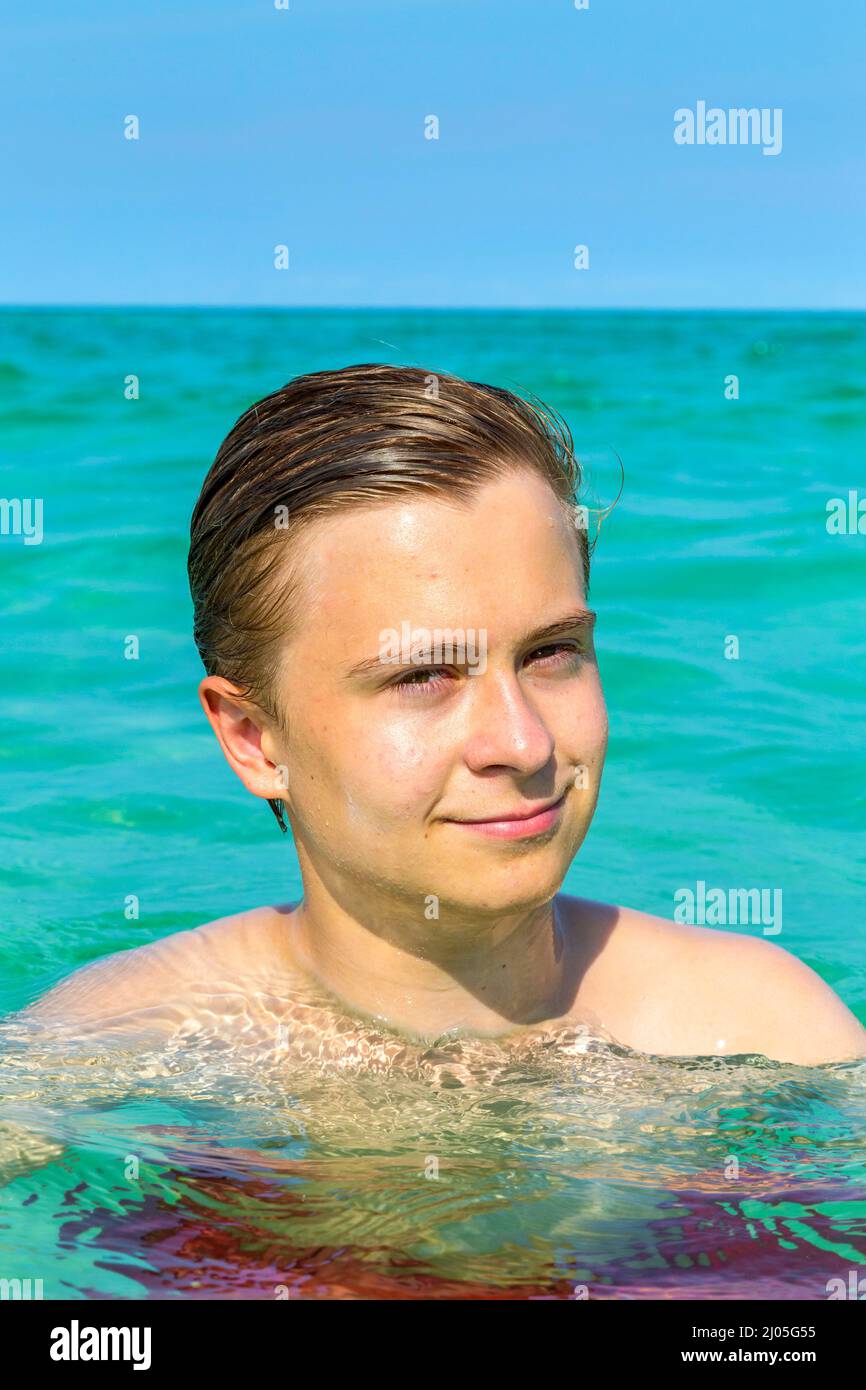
[[498, 893]]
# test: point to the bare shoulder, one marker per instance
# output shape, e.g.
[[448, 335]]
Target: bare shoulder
[[675, 989], [160, 973]]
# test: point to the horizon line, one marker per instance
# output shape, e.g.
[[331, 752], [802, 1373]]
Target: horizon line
[[456, 308]]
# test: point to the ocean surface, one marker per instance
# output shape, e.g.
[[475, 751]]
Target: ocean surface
[[594, 1167]]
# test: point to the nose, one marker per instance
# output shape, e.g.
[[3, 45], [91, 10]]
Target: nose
[[506, 729]]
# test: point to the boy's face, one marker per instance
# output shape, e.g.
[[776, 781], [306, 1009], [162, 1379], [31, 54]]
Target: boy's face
[[378, 772]]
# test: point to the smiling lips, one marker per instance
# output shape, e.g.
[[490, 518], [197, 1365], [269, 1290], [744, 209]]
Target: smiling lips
[[517, 825]]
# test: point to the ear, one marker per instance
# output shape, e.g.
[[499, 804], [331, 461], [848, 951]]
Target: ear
[[244, 734]]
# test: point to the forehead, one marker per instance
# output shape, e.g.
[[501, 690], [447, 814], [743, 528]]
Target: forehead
[[507, 548]]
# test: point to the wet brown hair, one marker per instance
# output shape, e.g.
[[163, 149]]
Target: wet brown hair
[[328, 441]]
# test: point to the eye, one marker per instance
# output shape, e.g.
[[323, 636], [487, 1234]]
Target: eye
[[568, 654], [417, 683]]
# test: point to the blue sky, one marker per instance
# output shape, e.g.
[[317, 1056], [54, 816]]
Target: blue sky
[[305, 127]]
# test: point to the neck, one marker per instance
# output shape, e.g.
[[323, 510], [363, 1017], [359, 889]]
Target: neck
[[472, 972]]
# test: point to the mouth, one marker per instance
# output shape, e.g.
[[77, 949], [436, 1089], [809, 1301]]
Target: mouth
[[513, 825]]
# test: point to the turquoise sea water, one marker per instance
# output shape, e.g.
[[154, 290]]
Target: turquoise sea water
[[746, 773]]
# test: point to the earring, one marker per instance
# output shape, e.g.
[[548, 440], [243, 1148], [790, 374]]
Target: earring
[[278, 809]]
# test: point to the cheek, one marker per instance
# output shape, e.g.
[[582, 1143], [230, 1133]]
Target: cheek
[[601, 729], [399, 769], [403, 770], [369, 762], [591, 728]]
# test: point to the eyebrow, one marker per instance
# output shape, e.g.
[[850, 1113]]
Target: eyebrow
[[583, 618]]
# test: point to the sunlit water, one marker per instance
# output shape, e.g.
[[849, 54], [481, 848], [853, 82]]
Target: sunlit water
[[236, 1161], [332, 1158]]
